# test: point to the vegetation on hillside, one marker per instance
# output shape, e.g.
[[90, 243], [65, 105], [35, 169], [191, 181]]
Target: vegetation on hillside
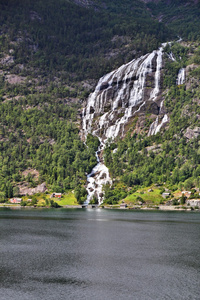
[[181, 16], [169, 157], [51, 53], [59, 36]]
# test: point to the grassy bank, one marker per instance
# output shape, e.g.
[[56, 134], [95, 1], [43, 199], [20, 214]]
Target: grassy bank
[[145, 195], [68, 199]]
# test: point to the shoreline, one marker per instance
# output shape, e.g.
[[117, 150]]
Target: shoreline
[[157, 208], [37, 207]]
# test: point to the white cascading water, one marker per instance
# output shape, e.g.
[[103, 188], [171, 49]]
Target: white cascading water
[[118, 96], [97, 178], [181, 77], [171, 56], [155, 127]]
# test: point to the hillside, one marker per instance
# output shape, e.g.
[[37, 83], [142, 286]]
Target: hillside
[[53, 53], [75, 42], [151, 130], [181, 16]]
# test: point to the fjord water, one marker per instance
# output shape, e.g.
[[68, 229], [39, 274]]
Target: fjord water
[[99, 254]]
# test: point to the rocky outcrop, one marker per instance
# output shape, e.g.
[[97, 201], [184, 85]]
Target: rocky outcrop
[[191, 82], [85, 3], [25, 190], [88, 3], [7, 60], [193, 202], [147, 1], [14, 79], [192, 133]]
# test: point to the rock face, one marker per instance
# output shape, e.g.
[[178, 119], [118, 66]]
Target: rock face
[[25, 190], [85, 3], [122, 94], [191, 82], [147, 1], [15, 79], [192, 133], [7, 60]]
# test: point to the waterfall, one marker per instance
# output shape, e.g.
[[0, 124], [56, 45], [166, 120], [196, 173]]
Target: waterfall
[[156, 90], [96, 179], [171, 56], [118, 96], [155, 127], [181, 77]]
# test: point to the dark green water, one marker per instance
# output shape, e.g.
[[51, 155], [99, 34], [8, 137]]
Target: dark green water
[[99, 254]]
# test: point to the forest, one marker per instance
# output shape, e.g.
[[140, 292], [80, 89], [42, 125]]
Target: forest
[[169, 157], [52, 37], [56, 51]]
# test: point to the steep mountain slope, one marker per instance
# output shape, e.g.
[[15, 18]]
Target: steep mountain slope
[[47, 47], [74, 41], [137, 101], [171, 156], [181, 16], [52, 54], [122, 94]]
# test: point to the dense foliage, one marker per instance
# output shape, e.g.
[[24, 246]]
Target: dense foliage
[[170, 157], [52, 47], [39, 132], [81, 42], [181, 16]]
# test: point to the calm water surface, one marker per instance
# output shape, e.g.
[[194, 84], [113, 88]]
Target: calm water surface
[[99, 254]]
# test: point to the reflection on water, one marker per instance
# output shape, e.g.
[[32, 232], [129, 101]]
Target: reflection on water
[[99, 254]]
